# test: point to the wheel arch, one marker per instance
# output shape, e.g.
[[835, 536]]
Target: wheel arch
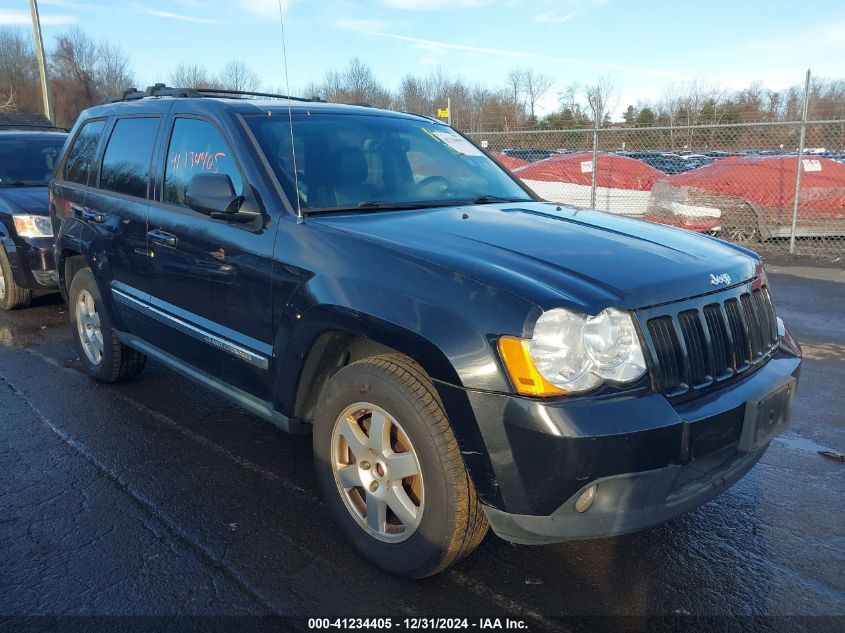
[[345, 338]]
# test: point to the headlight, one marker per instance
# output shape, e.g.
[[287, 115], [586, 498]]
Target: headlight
[[33, 226], [572, 353]]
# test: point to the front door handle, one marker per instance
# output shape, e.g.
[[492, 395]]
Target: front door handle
[[88, 214], [162, 238], [93, 216]]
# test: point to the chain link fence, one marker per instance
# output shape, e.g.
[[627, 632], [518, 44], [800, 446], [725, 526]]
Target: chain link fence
[[736, 181]]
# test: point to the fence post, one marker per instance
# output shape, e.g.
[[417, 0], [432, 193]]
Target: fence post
[[595, 160], [798, 166]]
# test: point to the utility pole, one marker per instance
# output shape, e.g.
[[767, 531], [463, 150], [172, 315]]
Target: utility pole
[[42, 66], [449, 110]]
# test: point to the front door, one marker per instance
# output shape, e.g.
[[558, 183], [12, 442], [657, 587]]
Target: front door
[[211, 279]]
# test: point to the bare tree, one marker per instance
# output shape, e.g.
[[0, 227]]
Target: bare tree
[[356, 84], [515, 81], [192, 76], [112, 72], [18, 71], [236, 75], [72, 65], [8, 102], [600, 98], [535, 85], [85, 72]]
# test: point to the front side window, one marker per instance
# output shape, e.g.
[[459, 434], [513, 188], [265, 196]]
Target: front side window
[[82, 154], [349, 161], [28, 160], [126, 162], [196, 147]]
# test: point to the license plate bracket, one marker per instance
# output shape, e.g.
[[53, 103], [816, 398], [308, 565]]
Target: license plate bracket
[[766, 416]]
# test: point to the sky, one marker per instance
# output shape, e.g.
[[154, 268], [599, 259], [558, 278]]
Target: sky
[[642, 46]]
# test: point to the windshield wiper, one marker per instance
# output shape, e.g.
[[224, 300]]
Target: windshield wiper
[[495, 199], [383, 205]]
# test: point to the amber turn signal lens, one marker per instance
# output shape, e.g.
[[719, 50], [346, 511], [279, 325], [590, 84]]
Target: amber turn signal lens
[[523, 374]]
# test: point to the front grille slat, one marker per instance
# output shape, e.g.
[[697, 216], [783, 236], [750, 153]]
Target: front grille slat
[[741, 345], [694, 339], [720, 346], [752, 325], [697, 345], [668, 353]]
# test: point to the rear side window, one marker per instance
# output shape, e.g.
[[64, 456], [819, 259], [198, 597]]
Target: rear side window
[[82, 153], [196, 147], [126, 163]]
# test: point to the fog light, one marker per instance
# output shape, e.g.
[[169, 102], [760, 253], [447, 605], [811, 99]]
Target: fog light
[[586, 499]]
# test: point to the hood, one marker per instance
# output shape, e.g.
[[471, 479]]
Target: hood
[[32, 200], [558, 256]]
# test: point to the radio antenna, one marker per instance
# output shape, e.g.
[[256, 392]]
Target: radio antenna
[[290, 113]]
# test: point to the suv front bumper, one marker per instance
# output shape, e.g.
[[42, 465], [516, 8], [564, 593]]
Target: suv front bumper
[[32, 262], [650, 460]]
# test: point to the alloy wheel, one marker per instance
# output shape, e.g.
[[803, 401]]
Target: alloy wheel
[[88, 326], [377, 472]]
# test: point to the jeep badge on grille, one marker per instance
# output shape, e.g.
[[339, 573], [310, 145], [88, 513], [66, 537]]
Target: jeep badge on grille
[[718, 280]]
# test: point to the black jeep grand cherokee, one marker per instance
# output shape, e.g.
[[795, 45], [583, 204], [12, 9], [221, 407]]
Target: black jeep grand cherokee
[[465, 353]]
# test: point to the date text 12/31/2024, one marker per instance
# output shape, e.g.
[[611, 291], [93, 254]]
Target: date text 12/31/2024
[[417, 623]]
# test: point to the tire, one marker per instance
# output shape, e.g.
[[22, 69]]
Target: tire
[[446, 521], [12, 296], [102, 354]]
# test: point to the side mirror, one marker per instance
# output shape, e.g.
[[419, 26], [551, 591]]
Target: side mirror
[[215, 196]]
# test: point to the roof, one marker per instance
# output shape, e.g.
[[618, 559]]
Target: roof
[[614, 172], [24, 120], [205, 99], [244, 106]]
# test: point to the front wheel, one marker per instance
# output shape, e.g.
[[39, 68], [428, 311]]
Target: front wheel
[[391, 471], [12, 296]]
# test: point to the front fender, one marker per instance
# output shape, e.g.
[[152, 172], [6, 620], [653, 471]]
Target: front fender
[[320, 320]]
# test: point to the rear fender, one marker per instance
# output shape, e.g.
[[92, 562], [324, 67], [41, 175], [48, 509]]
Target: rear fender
[[76, 239]]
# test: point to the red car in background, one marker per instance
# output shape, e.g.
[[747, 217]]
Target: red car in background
[[511, 162], [622, 184], [748, 198]]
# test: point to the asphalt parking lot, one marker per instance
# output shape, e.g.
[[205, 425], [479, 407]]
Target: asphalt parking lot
[[157, 497]]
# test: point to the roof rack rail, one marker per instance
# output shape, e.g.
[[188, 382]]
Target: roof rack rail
[[162, 90], [127, 95], [249, 93]]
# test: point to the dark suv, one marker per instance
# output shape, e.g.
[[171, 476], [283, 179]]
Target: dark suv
[[465, 354], [27, 158]]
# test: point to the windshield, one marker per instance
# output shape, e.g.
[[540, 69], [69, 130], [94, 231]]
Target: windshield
[[28, 160], [355, 161]]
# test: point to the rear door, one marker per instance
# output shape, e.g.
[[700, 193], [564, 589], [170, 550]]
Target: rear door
[[71, 182], [212, 278], [116, 208]]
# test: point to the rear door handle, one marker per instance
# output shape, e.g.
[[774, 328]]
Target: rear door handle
[[162, 238]]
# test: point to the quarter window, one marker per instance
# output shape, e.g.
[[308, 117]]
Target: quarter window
[[81, 156], [196, 147], [126, 163]]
